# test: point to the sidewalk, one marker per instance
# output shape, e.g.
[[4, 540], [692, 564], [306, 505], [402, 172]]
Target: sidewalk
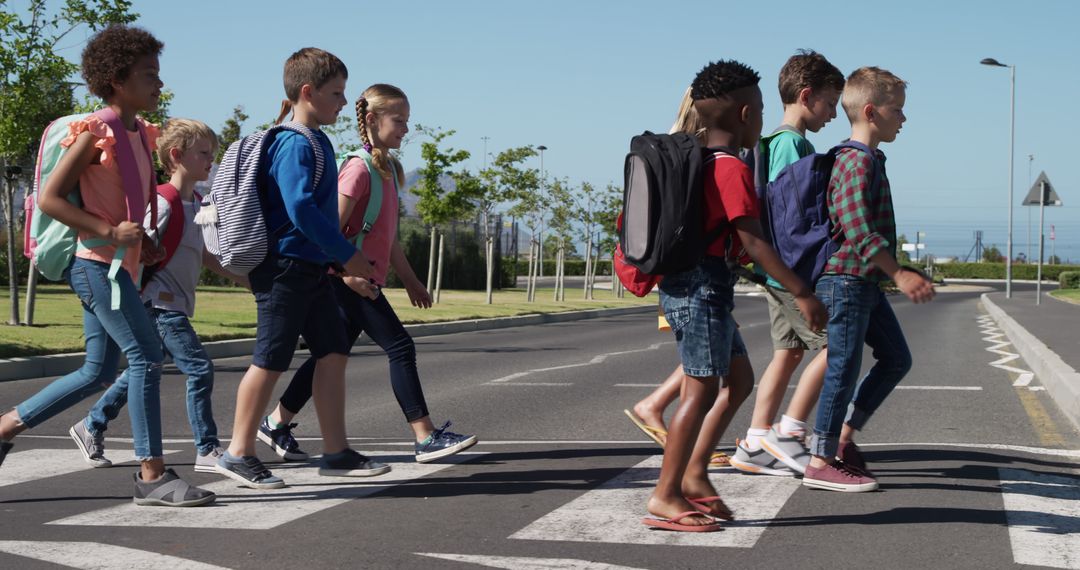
[[1046, 337]]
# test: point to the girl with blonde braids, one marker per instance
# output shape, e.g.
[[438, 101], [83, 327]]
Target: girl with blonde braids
[[373, 174]]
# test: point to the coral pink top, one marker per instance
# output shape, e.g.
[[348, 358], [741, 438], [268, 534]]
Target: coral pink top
[[354, 181], [102, 188]]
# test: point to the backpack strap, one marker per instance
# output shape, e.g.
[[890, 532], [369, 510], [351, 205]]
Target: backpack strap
[[174, 229], [375, 197]]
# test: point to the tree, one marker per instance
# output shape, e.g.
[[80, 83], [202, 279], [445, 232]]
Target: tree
[[993, 255], [230, 131], [562, 219], [438, 204], [501, 182], [1054, 260], [901, 255], [610, 203], [35, 88]]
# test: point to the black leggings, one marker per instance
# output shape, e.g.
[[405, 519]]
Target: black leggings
[[378, 319]]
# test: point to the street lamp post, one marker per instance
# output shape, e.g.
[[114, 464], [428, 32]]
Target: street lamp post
[[1012, 141]]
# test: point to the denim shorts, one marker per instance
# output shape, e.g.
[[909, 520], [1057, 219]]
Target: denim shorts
[[697, 303], [294, 298]]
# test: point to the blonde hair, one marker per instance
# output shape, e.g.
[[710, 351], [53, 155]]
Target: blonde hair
[[182, 134], [870, 85], [688, 120], [376, 99]]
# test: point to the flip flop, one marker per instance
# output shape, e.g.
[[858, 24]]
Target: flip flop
[[719, 460], [702, 505], [673, 524], [654, 433]]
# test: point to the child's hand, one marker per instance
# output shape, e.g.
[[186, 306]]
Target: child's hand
[[813, 311], [125, 233], [359, 266], [917, 287], [418, 295], [152, 253], [363, 287]]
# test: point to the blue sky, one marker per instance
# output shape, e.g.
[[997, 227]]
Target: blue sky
[[583, 77]]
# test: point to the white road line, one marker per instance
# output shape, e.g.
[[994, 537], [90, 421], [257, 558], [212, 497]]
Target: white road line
[[958, 388], [992, 334], [523, 563], [598, 359], [1042, 513], [96, 556], [530, 384], [32, 464], [636, 385], [612, 512], [241, 508]]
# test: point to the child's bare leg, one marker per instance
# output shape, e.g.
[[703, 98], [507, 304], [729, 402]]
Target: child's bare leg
[[809, 387], [651, 409], [847, 433], [773, 384], [422, 428], [698, 396], [11, 425], [152, 469], [328, 393], [251, 399], [281, 414]]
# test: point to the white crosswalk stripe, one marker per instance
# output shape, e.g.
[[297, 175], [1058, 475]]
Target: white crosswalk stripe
[[241, 508], [524, 563], [24, 466], [613, 511], [97, 556], [1043, 512]]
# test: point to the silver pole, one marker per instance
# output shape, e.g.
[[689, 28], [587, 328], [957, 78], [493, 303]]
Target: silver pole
[[1012, 144], [1042, 213]]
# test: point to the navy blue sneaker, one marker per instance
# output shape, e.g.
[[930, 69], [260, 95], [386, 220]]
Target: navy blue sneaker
[[5, 447], [248, 471], [442, 443], [281, 440], [350, 463]]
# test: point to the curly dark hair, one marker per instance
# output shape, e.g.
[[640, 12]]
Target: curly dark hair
[[807, 68], [719, 78], [110, 54]]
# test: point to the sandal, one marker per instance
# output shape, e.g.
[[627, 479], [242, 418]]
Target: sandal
[[656, 434], [719, 460], [674, 524], [704, 505]]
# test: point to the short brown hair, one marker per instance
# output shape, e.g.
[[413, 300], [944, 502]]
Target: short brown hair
[[182, 134], [870, 85], [807, 68], [311, 66], [111, 53]]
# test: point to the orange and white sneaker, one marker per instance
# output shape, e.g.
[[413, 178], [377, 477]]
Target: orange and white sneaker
[[758, 462]]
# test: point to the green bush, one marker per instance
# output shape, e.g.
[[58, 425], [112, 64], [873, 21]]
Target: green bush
[[572, 267], [997, 271], [1069, 279], [463, 258]]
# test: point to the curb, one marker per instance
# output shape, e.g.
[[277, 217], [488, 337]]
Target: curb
[[1061, 381], [61, 364]]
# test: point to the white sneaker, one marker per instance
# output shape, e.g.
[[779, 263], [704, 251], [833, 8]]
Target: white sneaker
[[206, 463], [788, 449], [758, 462]]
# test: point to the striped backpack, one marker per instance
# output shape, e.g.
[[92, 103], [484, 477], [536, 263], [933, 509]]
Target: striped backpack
[[50, 244], [231, 215]]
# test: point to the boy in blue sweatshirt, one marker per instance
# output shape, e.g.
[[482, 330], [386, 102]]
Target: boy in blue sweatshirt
[[292, 288]]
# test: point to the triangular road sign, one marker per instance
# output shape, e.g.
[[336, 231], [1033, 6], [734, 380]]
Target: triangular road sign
[[1032, 198]]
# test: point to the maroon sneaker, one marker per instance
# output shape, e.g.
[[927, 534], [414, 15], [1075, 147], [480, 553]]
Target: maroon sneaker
[[853, 458], [838, 477]]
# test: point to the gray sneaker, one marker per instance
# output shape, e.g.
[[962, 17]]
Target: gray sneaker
[[206, 463], [349, 463], [758, 462], [790, 450], [92, 446], [170, 491]]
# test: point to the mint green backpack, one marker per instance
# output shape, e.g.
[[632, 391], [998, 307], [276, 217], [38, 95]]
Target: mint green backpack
[[374, 205], [49, 243]]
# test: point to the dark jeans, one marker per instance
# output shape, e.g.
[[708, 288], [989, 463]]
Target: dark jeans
[[378, 319]]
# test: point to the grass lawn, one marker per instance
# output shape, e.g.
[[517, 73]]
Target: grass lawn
[[1070, 295], [225, 313]]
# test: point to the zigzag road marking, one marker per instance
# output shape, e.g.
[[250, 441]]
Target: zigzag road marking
[[1042, 513], [523, 563], [92, 555], [29, 465], [991, 333], [598, 359], [241, 508], [612, 512]]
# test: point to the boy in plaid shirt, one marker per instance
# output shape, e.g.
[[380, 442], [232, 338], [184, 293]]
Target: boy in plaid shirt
[[861, 210]]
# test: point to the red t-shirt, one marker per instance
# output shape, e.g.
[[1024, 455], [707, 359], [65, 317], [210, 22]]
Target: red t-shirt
[[729, 195]]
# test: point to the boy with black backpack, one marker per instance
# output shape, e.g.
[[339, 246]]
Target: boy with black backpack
[[861, 212], [186, 149], [698, 300]]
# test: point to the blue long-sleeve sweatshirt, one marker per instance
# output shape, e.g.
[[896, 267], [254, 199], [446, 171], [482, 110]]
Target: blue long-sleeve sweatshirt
[[314, 234]]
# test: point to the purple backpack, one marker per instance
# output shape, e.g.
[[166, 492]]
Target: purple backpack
[[795, 212]]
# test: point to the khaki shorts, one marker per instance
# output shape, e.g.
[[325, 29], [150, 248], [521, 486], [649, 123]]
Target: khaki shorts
[[789, 329]]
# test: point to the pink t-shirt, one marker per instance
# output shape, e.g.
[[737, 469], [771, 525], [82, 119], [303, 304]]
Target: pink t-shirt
[[102, 188], [354, 181]]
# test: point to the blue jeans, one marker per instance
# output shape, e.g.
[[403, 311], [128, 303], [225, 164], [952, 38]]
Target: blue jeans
[[378, 319], [858, 313], [109, 332], [180, 342], [697, 303]]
